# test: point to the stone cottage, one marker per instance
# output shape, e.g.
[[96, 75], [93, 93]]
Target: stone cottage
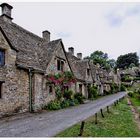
[[25, 61], [95, 71], [82, 71]]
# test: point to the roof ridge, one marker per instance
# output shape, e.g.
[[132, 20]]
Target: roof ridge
[[25, 30]]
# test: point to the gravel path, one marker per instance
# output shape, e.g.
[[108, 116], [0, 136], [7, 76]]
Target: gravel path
[[48, 124]]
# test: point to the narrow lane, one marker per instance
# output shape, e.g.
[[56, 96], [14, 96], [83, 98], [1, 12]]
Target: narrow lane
[[48, 124]]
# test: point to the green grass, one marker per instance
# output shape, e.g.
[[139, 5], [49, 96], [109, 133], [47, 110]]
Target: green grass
[[136, 102], [118, 123]]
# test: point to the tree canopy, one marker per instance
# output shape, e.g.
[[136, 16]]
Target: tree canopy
[[102, 59], [127, 60]]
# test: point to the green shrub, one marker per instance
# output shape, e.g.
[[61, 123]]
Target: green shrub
[[58, 92], [79, 97], [138, 97], [131, 94], [138, 91], [123, 88], [54, 105], [65, 103], [127, 78], [68, 94], [93, 92], [107, 92], [76, 101], [114, 88], [136, 78], [71, 103]]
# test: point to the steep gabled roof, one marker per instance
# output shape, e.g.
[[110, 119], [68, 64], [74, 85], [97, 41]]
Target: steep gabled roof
[[46, 52], [79, 67], [93, 71], [32, 50], [25, 42]]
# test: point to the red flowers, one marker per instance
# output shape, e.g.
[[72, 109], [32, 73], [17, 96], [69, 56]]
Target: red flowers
[[65, 78]]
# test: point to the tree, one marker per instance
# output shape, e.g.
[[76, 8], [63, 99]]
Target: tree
[[102, 59], [127, 60], [112, 63]]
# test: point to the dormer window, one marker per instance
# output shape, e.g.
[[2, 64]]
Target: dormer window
[[2, 57], [88, 72], [60, 65]]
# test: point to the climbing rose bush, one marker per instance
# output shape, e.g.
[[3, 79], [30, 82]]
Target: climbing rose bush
[[64, 78]]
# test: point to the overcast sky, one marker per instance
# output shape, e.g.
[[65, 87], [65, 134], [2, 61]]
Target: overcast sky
[[113, 28]]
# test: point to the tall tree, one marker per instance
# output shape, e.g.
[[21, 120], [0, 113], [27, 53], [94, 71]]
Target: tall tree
[[128, 60], [102, 59]]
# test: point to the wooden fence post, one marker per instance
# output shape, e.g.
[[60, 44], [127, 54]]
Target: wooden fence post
[[108, 109], [95, 118], [102, 113], [82, 128], [115, 103]]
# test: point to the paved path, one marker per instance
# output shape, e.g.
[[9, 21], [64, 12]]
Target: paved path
[[48, 124]]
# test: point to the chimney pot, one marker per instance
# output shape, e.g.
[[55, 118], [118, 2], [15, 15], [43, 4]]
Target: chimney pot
[[71, 50], [6, 11], [79, 55], [46, 35]]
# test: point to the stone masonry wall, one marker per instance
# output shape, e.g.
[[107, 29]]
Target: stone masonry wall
[[15, 89], [42, 94]]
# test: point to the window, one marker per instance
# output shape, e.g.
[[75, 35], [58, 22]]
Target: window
[[2, 57], [60, 65], [50, 89], [1, 89], [88, 72], [80, 88]]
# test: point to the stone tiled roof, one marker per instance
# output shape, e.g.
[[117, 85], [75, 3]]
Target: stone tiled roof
[[93, 71], [79, 67], [75, 67], [46, 52], [131, 72], [25, 42], [32, 50]]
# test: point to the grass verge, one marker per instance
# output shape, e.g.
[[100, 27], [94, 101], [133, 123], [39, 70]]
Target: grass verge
[[118, 123], [136, 103]]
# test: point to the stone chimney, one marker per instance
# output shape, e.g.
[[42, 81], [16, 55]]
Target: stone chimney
[[79, 55], [46, 35], [71, 50], [6, 12]]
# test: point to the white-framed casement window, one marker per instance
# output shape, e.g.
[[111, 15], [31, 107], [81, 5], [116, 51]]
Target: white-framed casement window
[[2, 57]]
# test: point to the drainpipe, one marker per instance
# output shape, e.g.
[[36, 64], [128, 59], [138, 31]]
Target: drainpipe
[[30, 72], [30, 91]]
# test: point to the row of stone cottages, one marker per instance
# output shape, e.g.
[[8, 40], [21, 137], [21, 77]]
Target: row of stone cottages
[[25, 61]]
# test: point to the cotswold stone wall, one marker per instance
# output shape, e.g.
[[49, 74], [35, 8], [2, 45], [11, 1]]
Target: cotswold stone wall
[[52, 67], [15, 89]]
